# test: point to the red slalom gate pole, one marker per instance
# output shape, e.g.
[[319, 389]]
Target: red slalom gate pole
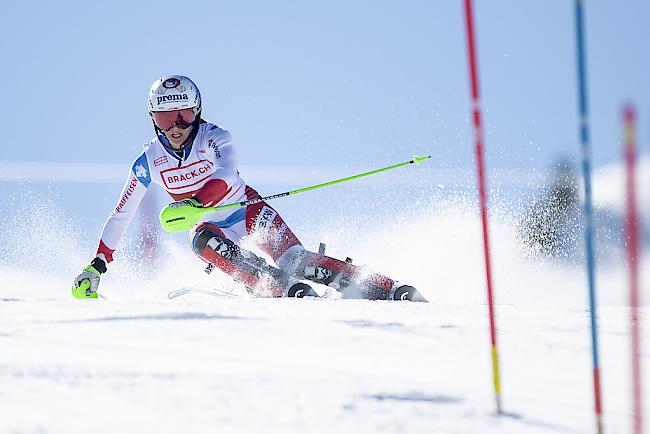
[[480, 163], [632, 241]]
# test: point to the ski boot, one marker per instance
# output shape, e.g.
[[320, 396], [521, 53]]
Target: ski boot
[[343, 276], [244, 266], [405, 292]]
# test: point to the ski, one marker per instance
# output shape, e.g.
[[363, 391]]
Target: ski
[[204, 290]]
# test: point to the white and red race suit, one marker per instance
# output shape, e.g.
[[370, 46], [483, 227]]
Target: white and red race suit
[[207, 171]]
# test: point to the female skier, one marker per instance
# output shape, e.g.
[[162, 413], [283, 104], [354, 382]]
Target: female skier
[[194, 161]]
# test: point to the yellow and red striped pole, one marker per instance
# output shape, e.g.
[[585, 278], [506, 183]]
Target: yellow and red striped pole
[[482, 189]]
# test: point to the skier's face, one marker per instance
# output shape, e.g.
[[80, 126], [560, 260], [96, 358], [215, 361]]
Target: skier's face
[[177, 135]]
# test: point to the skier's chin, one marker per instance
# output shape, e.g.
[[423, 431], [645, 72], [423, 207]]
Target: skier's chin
[[176, 139]]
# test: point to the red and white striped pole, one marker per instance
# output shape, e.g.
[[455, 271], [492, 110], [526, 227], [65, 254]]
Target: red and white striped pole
[[480, 163], [632, 242]]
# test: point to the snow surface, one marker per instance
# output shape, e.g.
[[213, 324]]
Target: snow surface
[[138, 362]]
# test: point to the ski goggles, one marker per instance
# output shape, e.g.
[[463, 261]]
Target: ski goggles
[[166, 120]]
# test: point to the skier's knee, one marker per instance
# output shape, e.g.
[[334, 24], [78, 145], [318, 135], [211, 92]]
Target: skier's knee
[[293, 260], [202, 236]]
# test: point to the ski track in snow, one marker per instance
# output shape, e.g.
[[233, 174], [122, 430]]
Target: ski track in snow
[[202, 364], [138, 362]]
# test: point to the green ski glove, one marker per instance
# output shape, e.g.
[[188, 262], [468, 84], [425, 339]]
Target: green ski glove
[[86, 283], [194, 203]]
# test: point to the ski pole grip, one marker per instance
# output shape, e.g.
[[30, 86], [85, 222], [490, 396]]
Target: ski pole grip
[[181, 218]]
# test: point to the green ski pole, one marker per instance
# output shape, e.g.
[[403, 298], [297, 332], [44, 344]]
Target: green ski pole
[[186, 217]]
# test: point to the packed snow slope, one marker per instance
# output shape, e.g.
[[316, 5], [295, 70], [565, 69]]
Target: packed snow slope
[[138, 362]]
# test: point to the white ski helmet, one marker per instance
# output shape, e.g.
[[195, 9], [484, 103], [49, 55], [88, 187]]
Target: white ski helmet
[[174, 92]]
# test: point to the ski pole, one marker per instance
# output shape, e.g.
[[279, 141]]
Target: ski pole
[[186, 217]]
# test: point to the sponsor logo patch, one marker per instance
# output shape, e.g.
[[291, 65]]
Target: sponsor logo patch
[[140, 171], [171, 83], [127, 194], [186, 176], [214, 147], [171, 98], [265, 220], [160, 160]]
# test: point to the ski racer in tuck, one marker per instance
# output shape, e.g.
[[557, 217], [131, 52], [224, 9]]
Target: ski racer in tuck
[[194, 161]]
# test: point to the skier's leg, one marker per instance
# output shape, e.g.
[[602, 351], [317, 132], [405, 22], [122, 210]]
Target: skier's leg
[[272, 235], [325, 270], [219, 247], [337, 274], [269, 231]]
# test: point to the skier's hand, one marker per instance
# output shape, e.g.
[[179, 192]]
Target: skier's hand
[[194, 203], [182, 215], [86, 283]]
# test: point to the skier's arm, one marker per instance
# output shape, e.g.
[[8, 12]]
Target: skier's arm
[[134, 189], [225, 181], [85, 285]]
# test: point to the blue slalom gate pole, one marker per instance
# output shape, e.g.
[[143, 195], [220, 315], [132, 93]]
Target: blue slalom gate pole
[[585, 152]]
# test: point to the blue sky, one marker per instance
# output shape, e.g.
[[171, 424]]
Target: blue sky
[[341, 83]]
